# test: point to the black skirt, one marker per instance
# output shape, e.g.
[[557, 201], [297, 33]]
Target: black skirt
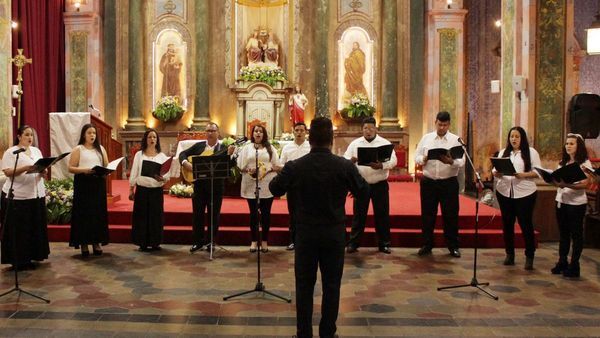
[[26, 224], [89, 223], [148, 217]]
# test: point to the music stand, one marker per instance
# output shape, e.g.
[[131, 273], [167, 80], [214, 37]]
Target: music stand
[[9, 199], [211, 168]]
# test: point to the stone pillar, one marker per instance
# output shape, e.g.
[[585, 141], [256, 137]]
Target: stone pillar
[[389, 117], [201, 38], [5, 77], [109, 54], [321, 51], [83, 62], [445, 60], [135, 120]]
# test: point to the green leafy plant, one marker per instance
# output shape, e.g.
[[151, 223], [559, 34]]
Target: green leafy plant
[[181, 190], [59, 201], [267, 74], [359, 107], [168, 109]]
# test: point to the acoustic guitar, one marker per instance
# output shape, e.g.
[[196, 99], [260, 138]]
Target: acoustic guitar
[[188, 175]]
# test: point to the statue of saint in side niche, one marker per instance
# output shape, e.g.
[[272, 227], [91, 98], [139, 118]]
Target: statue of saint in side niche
[[355, 69], [170, 66], [297, 104]]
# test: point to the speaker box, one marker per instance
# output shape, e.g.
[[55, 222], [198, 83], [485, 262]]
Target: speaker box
[[584, 115]]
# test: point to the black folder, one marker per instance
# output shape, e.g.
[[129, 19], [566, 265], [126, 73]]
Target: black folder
[[366, 156], [454, 152], [570, 173], [43, 163], [151, 168], [503, 165], [112, 166], [595, 172]]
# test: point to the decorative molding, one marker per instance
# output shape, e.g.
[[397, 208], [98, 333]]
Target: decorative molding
[[347, 8], [78, 70], [165, 9]]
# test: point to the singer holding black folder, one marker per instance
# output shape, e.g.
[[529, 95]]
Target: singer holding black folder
[[571, 204], [147, 194], [439, 185], [27, 218], [89, 222], [517, 193]]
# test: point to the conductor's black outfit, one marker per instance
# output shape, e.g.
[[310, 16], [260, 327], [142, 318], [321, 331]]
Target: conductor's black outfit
[[318, 183], [201, 198]]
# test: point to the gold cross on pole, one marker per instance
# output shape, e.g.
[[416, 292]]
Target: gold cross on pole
[[20, 61]]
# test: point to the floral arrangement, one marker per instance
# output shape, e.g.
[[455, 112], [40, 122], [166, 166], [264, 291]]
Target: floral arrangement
[[168, 109], [59, 201], [287, 137], [359, 107], [181, 190], [268, 74]]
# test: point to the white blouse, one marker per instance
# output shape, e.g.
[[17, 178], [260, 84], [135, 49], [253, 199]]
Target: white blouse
[[512, 187], [26, 186], [572, 196], [89, 158], [247, 160], [136, 178]]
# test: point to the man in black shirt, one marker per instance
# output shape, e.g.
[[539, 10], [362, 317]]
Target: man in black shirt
[[318, 183]]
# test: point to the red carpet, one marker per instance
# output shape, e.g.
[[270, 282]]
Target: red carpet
[[234, 230]]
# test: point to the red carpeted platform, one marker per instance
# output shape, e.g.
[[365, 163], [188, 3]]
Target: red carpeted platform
[[234, 230]]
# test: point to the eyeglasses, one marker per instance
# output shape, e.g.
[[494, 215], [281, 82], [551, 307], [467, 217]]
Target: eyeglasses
[[211, 130], [575, 135]]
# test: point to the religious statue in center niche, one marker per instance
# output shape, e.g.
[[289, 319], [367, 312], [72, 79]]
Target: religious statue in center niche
[[355, 69], [262, 49], [271, 51], [170, 66], [254, 50]]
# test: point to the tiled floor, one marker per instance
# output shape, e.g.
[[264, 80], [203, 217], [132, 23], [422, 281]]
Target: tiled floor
[[126, 293]]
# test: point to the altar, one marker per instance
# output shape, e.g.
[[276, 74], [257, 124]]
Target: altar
[[259, 103]]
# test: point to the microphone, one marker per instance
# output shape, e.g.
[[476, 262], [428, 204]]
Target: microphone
[[20, 150], [462, 143]]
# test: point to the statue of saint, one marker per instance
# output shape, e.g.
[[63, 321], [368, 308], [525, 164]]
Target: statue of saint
[[170, 66], [355, 69], [271, 51], [254, 50], [297, 104]]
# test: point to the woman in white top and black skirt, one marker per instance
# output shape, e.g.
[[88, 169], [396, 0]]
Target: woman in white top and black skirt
[[26, 223], [516, 194], [268, 161], [571, 205], [147, 194], [89, 223]]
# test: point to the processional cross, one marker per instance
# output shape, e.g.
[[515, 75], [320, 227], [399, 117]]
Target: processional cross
[[20, 61]]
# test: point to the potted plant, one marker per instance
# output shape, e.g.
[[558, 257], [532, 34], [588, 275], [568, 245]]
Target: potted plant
[[358, 108], [273, 76], [168, 109], [59, 201]]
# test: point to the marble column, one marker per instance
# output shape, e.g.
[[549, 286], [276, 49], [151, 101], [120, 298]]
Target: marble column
[[135, 120], [445, 60], [321, 51], [5, 76], [109, 53], [389, 116], [201, 38]]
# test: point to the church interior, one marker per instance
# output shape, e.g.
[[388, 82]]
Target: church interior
[[177, 66]]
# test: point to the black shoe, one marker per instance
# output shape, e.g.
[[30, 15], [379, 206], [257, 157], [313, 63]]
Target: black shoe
[[253, 250], [385, 249], [509, 260], [155, 248], [143, 249], [291, 247], [351, 249], [424, 251], [264, 250], [528, 263], [207, 247], [454, 252], [560, 267], [572, 271], [195, 248]]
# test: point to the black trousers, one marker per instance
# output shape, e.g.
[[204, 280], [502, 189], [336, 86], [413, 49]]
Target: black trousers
[[201, 205], [265, 218], [445, 193], [520, 209], [290, 206], [379, 194], [318, 248], [570, 225]]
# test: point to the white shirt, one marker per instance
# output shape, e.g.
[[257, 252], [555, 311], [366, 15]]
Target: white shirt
[[136, 178], [247, 160], [371, 175], [512, 187], [26, 186], [292, 151], [434, 169], [89, 158], [572, 196]]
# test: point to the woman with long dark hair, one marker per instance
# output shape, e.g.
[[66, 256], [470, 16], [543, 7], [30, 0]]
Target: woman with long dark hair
[[268, 161], [517, 194], [147, 194], [26, 223], [571, 204], [89, 222]]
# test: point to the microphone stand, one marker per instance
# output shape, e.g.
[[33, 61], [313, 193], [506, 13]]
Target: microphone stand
[[474, 282], [9, 200], [259, 287]]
